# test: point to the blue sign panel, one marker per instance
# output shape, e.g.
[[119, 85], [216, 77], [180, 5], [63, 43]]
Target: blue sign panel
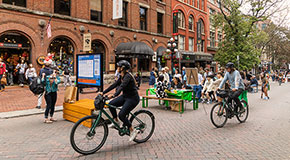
[[89, 70]]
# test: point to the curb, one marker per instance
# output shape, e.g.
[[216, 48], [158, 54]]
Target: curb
[[23, 113]]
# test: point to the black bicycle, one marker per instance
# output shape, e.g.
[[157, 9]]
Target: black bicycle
[[221, 111], [90, 133]]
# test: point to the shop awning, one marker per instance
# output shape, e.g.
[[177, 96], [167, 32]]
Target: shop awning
[[198, 56], [160, 51], [134, 49]]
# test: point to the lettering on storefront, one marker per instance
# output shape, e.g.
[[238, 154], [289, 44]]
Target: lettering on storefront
[[204, 58], [12, 45]]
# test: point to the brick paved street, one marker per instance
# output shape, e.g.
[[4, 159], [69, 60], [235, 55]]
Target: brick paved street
[[191, 136], [17, 98]]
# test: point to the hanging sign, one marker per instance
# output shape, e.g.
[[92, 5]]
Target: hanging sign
[[117, 9], [87, 42]]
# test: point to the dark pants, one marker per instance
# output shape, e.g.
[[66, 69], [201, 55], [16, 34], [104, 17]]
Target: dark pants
[[1, 85], [50, 99], [235, 96], [197, 89], [128, 105], [21, 79]]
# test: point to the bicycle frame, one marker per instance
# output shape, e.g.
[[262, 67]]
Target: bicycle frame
[[102, 111]]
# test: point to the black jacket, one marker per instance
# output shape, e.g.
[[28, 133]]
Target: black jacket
[[125, 84]]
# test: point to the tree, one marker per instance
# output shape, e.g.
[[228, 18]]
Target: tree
[[240, 32]]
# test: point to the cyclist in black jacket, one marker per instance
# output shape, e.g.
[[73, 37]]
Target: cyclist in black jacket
[[129, 99]]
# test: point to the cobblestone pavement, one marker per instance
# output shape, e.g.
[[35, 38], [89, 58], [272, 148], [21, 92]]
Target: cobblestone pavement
[[16, 98], [189, 136]]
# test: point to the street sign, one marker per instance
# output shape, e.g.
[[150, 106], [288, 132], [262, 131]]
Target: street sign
[[117, 9], [87, 42], [154, 57], [90, 70]]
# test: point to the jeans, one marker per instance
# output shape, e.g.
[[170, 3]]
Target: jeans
[[50, 99], [21, 79], [10, 78], [197, 89], [67, 80], [128, 105], [235, 96]]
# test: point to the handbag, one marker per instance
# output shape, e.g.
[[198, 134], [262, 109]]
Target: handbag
[[70, 94], [4, 81]]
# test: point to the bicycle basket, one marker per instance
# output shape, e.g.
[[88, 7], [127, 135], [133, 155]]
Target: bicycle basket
[[223, 94], [99, 102]]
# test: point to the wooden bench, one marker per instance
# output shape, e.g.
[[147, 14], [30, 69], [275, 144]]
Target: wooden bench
[[146, 98]]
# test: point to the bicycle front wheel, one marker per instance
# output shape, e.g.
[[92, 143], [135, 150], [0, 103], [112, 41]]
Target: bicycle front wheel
[[144, 121], [242, 117], [218, 115], [85, 141]]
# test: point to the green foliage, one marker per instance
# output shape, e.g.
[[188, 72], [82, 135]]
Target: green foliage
[[240, 34]]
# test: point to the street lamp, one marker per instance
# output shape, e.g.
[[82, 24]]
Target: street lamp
[[172, 48]]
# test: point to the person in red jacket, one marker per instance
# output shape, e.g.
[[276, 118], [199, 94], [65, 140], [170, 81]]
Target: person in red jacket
[[2, 72]]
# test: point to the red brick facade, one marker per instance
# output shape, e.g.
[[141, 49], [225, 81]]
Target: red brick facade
[[25, 20], [188, 8]]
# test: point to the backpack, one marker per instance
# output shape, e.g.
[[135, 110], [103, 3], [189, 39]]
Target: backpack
[[36, 86]]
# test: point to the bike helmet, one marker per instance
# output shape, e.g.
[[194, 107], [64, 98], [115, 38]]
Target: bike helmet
[[230, 65], [124, 64]]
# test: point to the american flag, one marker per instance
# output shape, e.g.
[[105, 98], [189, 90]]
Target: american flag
[[48, 29]]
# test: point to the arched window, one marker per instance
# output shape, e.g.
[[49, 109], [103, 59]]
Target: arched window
[[201, 26], [181, 20], [191, 23]]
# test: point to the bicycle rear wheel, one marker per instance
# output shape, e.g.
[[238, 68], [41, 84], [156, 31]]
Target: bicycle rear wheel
[[85, 142], [218, 115], [243, 116], [144, 121]]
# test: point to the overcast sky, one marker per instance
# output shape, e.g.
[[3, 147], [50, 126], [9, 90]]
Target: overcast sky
[[277, 17]]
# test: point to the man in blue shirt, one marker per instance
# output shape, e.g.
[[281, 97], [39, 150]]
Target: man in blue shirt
[[236, 85]]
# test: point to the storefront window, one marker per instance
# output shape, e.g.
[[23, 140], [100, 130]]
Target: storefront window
[[62, 7], [21, 3], [96, 10], [63, 52], [98, 47]]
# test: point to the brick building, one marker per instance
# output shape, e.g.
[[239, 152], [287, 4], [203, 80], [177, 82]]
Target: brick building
[[193, 32], [23, 29]]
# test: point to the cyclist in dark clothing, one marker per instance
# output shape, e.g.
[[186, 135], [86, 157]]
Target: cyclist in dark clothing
[[129, 99]]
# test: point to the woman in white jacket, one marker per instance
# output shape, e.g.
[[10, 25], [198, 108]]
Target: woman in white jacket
[[216, 84], [30, 73], [207, 88]]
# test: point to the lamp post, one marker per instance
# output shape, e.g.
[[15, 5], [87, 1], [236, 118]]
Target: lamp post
[[172, 48]]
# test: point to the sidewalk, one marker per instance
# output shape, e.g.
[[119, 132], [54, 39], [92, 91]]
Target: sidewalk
[[16, 98]]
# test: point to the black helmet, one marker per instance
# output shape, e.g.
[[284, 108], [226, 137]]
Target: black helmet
[[230, 65], [125, 64]]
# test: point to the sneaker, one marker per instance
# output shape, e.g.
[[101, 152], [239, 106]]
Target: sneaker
[[112, 125], [242, 110], [133, 134], [38, 107]]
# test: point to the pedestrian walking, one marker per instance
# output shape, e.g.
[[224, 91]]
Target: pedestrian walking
[[10, 71], [21, 67], [51, 86], [152, 78], [30, 73], [264, 89], [2, 73], [47, 71], [66, 75]]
